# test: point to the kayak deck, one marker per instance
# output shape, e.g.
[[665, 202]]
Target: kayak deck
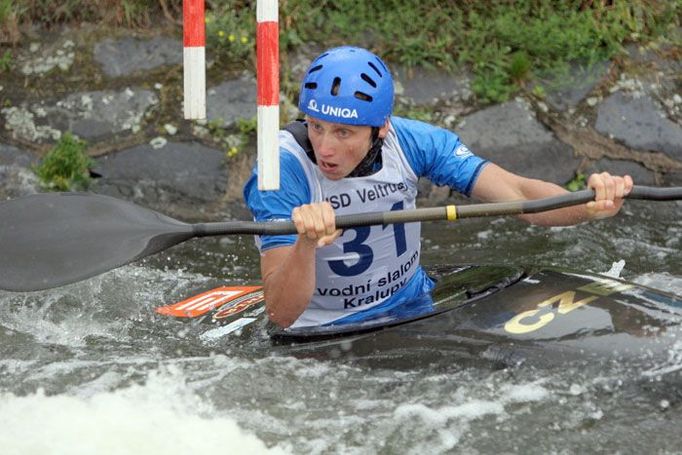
[[494, 314]]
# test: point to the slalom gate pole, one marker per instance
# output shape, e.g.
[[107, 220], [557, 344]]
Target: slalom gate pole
[[194, 59], [267, 70]]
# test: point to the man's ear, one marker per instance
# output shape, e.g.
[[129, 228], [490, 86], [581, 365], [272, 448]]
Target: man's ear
[[383, 131]]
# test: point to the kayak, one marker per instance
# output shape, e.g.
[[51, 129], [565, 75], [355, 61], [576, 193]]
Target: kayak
[[493, 314]]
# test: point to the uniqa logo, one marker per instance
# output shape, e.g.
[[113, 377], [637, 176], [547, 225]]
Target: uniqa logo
[[333, 111], [312, 105]]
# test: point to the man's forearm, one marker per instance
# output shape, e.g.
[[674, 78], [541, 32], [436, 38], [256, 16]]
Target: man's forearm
[[290, 282], [538, 189]]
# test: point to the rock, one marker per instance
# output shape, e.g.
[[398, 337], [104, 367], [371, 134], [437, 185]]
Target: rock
[[656, 58], [93, 116], [12, 156], [635, 87], [15, 176], [640, 124], [183, 173], [568, 91], [127, 56], [510, 136], [300, 60], [158, 142], [22, 124], [673, 178], [232, 100], [428, 87], [170, 129], [432, 195], [177, 172], [640, 174], [59, 55], [505, 125], [17, 182], [552, 161]]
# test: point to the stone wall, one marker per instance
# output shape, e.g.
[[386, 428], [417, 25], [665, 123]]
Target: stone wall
[[122, 95]]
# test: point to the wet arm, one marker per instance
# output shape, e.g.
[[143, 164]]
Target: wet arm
[[496, 185], [289, 272], [289, 280]]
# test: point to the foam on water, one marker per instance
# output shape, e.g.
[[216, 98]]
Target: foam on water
[[160, 416], [116, 391], [440, 428], [524, 393], [663, 281]]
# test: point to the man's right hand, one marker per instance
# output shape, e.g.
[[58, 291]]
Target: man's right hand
[[316, 223]]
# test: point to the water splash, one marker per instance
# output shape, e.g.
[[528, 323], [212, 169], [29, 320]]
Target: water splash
[[159, 416]]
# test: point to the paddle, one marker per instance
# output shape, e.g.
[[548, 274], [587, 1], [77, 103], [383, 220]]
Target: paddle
[[52, 239]]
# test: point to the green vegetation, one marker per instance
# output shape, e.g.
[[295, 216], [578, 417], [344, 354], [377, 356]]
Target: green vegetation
[[425, 114], [5, 10], [231, 32], [233, 143], [247, 129], [6, 61], [579, 182], [505, 44], [128, 13], [65, 167]]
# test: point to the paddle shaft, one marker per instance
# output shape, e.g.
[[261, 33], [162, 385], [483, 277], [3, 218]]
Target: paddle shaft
[[51, 239], [444, 213]]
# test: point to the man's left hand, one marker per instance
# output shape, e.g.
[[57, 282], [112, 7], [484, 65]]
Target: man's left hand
[[609, 192]]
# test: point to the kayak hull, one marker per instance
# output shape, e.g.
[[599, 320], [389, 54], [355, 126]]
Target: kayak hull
[[498, 315]]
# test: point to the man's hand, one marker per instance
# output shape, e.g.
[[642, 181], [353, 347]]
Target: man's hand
[[316, 223], [609, 192]]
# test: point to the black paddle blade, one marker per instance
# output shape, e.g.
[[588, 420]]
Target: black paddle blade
[[48, 240]]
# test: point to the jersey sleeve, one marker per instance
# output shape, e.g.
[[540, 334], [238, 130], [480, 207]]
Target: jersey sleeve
[[277, 205], [438, 154]]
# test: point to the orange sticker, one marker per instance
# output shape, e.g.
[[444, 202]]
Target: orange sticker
[[206, 301]]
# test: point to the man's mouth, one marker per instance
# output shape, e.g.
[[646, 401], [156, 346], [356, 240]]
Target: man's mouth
[[325, 166]]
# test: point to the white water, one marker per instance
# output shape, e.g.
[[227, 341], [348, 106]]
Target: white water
[[161, 416], [90, 368]]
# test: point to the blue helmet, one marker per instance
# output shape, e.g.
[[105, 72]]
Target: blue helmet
[[348, 85]]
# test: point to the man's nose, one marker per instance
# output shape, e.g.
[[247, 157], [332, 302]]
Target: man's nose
[[326, 145]]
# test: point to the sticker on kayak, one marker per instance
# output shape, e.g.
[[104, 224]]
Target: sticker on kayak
[[230, 299], [239, 305]]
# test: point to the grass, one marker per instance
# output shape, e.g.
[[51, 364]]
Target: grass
[[579, 182], [48, 13], [66, 166], [504, 43], [6, 61]]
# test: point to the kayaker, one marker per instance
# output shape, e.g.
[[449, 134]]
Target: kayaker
[[352, 156]]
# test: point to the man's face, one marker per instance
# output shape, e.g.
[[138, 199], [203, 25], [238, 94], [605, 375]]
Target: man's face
[[339, 148]]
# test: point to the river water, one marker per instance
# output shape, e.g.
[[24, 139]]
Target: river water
[[90, 368]]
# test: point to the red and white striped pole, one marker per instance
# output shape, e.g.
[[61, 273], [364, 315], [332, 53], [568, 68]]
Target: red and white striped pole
[[267, 70], [194, 59]]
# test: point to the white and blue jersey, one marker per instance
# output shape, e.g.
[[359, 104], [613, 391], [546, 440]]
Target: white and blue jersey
[[373, 269]]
